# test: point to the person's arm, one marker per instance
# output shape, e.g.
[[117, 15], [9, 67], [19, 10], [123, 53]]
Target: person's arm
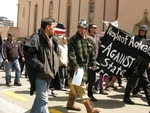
[[72, 55], [32, 55], [4, 52], [92, 57], [20, 51]]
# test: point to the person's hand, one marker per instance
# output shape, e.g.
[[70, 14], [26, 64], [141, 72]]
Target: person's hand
[[148, 66], [76, 70], [92, 68], [6, 60], [64, 64], [23, 59]]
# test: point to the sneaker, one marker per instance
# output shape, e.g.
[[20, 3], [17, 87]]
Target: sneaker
[[102, 91], [54, 93], [7, 83], [17, 84], [64, 89]]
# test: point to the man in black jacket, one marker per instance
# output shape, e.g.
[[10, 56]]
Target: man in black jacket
[[143, 78], [42, 63]]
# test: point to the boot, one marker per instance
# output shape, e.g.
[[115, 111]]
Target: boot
[[127, 95], [90, 95], [71, 105], [89, 107], [128, 101]]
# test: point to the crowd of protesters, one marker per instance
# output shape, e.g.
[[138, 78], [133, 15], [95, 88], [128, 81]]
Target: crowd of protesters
[[55, 61]]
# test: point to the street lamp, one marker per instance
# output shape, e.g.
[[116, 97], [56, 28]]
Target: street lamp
[[29, 1]]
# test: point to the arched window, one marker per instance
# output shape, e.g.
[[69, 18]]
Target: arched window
[[91, 11], [35, 17], [68, 17], [51, 9]]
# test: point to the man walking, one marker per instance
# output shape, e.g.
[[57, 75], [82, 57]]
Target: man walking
[[11, 53], [81, 55], [42, 63], [143, 78]]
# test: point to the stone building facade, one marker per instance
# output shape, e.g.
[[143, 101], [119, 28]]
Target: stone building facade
[[129, 13]]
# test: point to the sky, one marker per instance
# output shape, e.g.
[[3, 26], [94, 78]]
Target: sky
[[9, 9]]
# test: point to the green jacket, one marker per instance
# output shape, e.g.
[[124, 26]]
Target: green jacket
[[81, 53]]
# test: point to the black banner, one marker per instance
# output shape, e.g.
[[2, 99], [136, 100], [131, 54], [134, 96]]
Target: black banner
[[121, 52]]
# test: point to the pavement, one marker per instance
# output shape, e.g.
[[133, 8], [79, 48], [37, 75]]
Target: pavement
[[16, 99]]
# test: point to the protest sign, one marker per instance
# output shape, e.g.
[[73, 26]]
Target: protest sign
[[121, 51]]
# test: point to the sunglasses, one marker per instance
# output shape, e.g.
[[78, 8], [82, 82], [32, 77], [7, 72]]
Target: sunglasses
[[94, 27]]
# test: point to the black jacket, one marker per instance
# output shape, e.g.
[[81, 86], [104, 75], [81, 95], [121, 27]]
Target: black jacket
[[34, 49], [11, 51]]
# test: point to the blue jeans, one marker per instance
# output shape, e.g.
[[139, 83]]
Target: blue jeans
[[8, 68], [40, 104], [1, 60]]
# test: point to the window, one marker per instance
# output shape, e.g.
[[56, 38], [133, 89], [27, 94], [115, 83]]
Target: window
[[35, 17], [51, 9], [91, 11], [68, 17]]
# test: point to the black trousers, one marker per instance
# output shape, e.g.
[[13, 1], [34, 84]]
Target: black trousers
[[148, 73], [91, 81], [144, 82], [63, 75]]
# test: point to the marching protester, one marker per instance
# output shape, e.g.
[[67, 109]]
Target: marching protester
[[11, 53], [142, 79], [42, 63], [63, 60], [22, 64], [80, 55], [92, 29]]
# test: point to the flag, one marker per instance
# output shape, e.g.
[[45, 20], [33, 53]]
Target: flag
[[114, 23], [60, 29]]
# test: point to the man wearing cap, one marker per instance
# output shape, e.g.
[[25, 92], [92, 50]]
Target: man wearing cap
[[142, 80], [11, 52], [80, 55]]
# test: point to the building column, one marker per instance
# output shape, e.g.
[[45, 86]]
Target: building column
[[29, 1]]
